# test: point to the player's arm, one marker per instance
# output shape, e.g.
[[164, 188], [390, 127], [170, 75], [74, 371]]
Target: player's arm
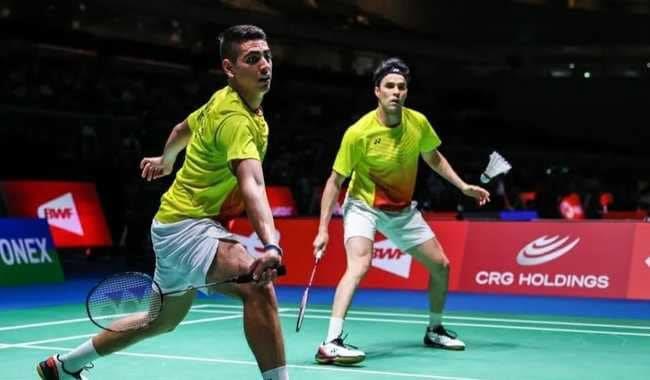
[[251, 184], [440, 165], [327, 204], [156, 167]]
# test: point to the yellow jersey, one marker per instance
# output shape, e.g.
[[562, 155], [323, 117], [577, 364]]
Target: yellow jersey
[[223, 129], [383, 161]]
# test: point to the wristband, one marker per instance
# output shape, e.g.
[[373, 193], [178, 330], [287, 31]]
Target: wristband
[[273, 246]]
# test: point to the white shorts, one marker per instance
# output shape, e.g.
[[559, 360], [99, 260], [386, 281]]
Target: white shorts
[[184, 251], [405, 228]]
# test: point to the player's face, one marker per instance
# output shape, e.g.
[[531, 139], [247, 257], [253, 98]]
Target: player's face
[[391, 92], [253, 67]]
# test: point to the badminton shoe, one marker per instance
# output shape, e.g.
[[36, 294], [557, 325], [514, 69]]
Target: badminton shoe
[[337, 352], [439, 337], [52, 369]]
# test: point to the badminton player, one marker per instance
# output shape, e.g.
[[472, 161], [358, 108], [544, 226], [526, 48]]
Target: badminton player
[[380, 152], [225, 142]]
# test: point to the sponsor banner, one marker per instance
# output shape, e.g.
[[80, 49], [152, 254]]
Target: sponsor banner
[[639, 285], [281, 201], [548, 258], [72, 210], [390, 267], [27, 254]]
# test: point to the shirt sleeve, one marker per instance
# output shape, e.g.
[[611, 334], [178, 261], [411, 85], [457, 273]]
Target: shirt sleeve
[[236, 136], [430, 139], [349, 154], [197, 117]]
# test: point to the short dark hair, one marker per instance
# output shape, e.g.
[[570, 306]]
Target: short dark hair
[[392, 65], [235, 35]]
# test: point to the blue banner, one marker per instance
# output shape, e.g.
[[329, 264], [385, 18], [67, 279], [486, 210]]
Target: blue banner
[[27, 253]]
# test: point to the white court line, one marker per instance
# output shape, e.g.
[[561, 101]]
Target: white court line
[[89, 335], [211, 319], [76, 320], [458, 317], [62, 339], [54, 323], [252, 363], [404, 321]]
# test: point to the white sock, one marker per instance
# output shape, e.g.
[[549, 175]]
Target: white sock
[[335, 329], [280, 373], [74, 360], [435, 319]]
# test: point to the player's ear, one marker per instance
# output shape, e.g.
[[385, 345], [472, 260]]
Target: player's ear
[[377, 91], [228, 68]]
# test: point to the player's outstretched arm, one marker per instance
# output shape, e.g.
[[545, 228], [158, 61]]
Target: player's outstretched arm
[[251, 183], [156, 167], [327, 203], [440, 165]]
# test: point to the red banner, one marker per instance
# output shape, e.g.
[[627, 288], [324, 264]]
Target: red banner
[[591, 259], [390, 268], [72, 209], [281, 201], [548, 258], [639, 285]]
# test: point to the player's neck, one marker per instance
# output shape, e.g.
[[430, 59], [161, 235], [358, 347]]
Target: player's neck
[[389, 119], [252, 101]]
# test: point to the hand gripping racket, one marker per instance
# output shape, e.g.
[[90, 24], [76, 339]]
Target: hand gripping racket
[[305, 295], [131, 300]]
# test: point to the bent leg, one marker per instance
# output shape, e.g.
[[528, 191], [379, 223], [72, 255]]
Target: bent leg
[[261, 320], [359, 254], [432, 256], [174, 310]]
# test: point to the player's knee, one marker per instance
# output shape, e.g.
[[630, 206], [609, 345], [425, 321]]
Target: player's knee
[[358, 269], [264, 294], [236, 250], [440, 268]]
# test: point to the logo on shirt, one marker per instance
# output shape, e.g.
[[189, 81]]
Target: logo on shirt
[[62, 212], [377, 140], [387, 257]]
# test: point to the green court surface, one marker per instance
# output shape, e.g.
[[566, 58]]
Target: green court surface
[[210, 345]]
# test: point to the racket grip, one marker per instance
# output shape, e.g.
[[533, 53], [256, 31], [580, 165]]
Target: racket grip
[[244, 278]]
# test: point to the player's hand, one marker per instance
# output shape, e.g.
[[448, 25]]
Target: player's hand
[[264, 268], [481, 195], [155, 167], [320, 243]]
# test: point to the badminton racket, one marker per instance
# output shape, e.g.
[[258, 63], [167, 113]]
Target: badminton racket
[[131, 300], [305, 295]]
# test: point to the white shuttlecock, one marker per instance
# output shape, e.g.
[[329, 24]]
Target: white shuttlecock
[[497, 165]]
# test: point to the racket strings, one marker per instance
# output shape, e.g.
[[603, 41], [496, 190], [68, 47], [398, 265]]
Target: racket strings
[[129, 295]]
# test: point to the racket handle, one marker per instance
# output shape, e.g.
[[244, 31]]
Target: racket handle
[[244, 278], [319, 253]]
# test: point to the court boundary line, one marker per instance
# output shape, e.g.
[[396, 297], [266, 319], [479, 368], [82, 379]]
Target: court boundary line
[[282, 311], [455, 317], [252, 363]]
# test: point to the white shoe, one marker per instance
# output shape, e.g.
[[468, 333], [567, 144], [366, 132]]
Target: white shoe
[[52, 369], [337, 352], [439, 337]]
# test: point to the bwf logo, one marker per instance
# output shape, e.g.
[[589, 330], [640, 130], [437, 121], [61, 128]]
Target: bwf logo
[[61, 212], [387, 257]]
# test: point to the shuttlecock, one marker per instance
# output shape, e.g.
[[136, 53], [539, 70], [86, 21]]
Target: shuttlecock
[[497, 165]]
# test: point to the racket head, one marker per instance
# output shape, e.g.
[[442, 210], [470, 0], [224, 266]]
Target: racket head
[[124, 301], [301, 309]]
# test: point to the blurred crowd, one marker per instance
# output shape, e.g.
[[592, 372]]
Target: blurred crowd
[[78, 117]]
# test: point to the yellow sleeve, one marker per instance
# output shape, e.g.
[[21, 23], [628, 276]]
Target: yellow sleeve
[[430, 139], [235, 136], [199, 116], [350, 153]]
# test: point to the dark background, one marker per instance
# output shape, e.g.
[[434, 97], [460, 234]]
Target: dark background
[[560, 88]]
